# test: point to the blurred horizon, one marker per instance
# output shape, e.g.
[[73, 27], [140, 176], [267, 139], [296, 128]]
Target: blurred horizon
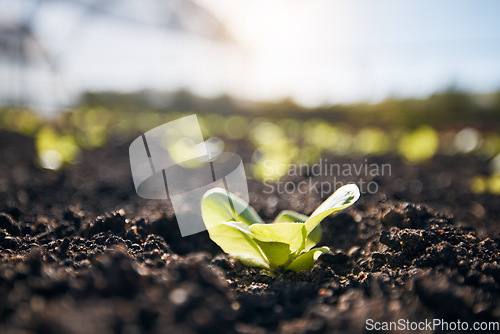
[[314, 52]]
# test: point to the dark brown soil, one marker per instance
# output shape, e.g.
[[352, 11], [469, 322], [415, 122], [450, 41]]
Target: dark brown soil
[[82, 253]]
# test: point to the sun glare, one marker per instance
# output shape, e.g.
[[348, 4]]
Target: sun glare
[[289, 48], [276, 38]]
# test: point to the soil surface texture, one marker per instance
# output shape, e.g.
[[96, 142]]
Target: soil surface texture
[[80, 252]]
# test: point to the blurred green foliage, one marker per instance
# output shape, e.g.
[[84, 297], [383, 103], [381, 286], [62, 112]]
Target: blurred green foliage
[[281, 133], [451, 107], [419, 145]]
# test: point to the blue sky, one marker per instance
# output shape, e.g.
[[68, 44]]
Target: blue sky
[[317, 51]]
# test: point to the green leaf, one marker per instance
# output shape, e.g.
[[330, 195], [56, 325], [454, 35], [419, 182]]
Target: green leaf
[[291, 216], [242, 227], [342, 198], [218, 205], [292, 234], [305, 261], [278, 253], [288, 216], [225, 226], [313, 238], [238, 244]]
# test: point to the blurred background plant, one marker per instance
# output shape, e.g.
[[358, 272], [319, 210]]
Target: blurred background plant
[[276, 140], [294, 81]]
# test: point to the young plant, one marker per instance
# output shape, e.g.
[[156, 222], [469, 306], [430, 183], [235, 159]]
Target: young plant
[[285, 244]]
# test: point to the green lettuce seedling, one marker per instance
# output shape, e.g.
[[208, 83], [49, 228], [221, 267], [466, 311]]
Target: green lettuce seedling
[[285, 244]]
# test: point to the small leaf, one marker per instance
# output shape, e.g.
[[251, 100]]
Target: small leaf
[[242, 227], [342, 198], [291, 216], [278, 253], [313, 238], [292, 234], [238, 244], [305, 261], [225, 226], [288, 216], [219, 205]]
